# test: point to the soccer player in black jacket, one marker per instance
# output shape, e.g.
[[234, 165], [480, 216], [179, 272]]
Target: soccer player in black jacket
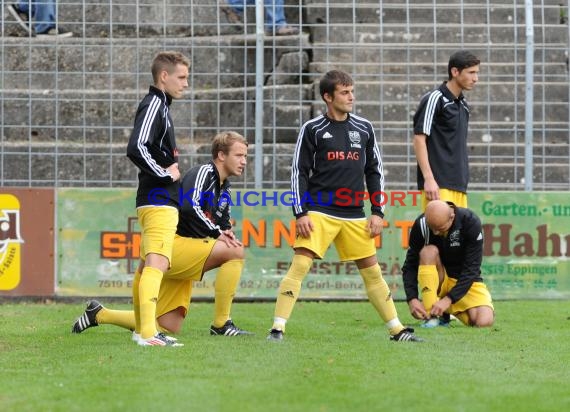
[[440, 133], [444, 259], [152, 148], [204, 241], [335, 154]]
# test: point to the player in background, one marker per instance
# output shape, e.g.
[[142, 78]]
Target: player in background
[[337, 150], [444, 260], [152, 148], [440, 133], [204, 241]]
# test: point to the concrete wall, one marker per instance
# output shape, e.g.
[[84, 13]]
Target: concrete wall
[[68, 104]]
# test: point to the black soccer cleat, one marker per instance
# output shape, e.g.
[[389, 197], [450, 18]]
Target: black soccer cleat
[[275, 335], [406, 335], [229, 329], [89, 317]]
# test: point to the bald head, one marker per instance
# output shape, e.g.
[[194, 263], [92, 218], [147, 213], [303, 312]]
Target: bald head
[[439, 216]]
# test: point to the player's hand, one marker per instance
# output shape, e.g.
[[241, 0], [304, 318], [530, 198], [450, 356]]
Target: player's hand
[[417, 309], [304, 226], [375, 225], [431, 189], [174, 172], [229, 238], [440, 306]]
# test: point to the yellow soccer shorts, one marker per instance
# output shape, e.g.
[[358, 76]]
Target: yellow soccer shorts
[[351, 238], [158, 227], [458, 198], [188, 259], [477, 295]]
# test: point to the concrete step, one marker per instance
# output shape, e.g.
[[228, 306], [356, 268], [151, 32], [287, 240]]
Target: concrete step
[[136, 19], [107, 115], [107, 19], [217, 62], [418, 12], [457, 33], [393, 55], [552, 65], [394, 92]]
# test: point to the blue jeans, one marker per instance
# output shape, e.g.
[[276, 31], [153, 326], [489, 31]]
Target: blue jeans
[[43, 13], [274, 11]]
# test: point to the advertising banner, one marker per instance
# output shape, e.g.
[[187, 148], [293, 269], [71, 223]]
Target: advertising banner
[[27, 242], [527, 245]]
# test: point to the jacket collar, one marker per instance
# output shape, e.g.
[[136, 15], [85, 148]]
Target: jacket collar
[[162, 95]]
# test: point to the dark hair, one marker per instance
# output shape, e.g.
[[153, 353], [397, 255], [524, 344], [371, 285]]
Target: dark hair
[[224, 140], [461, 59], [333, 78], [167, 60]]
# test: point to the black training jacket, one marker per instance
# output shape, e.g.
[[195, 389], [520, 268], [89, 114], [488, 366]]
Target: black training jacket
[[444, 119], [152, 148], [204, 203], [332, 160]]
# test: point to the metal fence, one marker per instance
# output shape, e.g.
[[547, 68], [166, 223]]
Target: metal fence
[[67, 104]]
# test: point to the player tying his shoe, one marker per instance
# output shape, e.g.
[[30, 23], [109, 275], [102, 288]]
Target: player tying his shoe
[[444, 259], [337, 151], [204, 241]]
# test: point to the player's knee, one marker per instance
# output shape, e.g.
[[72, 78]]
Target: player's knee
[[234, 253], [482, 323], [171, 322], [429, 255], [239, 252], [174, 328], [484, 317]]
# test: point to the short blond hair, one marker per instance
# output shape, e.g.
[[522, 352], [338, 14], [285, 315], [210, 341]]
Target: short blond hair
[[224, 140], [167, 60]]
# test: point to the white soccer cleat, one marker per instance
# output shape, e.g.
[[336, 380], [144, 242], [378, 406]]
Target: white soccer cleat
[[160, 339]]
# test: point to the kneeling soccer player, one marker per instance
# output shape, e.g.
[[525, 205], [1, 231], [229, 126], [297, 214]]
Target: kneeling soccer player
[[204, 241], [444, 259]]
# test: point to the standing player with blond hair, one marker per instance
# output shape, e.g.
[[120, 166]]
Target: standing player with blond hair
[[152, 148]]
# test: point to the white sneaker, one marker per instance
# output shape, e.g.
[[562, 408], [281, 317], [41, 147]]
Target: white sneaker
[[430, 323], [54, 32], [137, 336], [160, 339]]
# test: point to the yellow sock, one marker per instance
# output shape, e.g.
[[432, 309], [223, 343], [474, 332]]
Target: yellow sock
[[463, 317], [225, 288], [123, 318], [163, 329], [290, 288], [381, 298], [148, 294], [136, 300], [428, 280]]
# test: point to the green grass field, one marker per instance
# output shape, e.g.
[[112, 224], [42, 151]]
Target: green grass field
[[336, 357]]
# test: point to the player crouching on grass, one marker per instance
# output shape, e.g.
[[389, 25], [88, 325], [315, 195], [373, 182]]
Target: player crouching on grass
[[204, 241], [444, 259]]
